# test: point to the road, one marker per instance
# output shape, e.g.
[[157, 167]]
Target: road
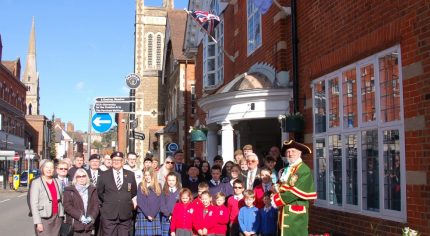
[[14, 218]]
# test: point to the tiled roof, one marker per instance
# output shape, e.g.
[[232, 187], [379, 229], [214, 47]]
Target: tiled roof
[[177, 20]]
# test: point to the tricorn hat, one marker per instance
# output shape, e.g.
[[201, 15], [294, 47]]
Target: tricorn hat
[[293, 144]]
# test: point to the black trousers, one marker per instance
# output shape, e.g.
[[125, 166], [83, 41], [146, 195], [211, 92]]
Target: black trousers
[[115, 227]]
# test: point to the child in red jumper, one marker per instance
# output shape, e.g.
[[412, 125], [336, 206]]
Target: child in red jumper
[[204, 218], [234, 204], [181, 222], [265, 186], [222, 215], [197, 203]]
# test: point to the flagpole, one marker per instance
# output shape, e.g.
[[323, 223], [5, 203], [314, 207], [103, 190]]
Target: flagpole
[[232, 59]]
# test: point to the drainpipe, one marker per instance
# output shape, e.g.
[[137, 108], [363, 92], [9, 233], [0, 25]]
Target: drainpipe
[[295, 56]]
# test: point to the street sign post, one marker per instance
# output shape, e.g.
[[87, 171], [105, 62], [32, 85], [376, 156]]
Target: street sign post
[[133, 81], [113, 99], [172, 147], [112, 107], [101, 122], [140, 136]]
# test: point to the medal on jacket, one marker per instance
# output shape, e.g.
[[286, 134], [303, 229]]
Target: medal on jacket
[[129, 187], [293, 179]]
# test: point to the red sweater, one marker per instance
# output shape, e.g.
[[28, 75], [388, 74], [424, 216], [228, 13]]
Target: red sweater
[[53, 190], [234, 207], [204, 217], [259, 195], [182, 217], [222, 215], [197, 203]]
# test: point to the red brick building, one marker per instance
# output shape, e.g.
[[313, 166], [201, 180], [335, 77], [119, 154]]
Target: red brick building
[[363, 73]]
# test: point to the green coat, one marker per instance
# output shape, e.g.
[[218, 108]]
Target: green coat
[[293, 197]]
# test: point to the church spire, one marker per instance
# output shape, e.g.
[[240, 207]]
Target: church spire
[[31, 77]]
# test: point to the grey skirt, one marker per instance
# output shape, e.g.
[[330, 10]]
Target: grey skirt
[[184, 232]]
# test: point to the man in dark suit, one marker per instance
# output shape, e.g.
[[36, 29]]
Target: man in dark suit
[[94, 171], [116, 189], [180, 166], [78, 162], [253, 176]]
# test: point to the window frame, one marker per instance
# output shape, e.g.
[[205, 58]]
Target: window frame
[[250, 18], [378, 124]]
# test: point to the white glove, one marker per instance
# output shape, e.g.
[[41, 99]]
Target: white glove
[[89, 219], [83, 219]]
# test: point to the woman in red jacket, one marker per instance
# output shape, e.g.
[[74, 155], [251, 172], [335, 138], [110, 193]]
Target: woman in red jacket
[[181, 222], [81, 204]]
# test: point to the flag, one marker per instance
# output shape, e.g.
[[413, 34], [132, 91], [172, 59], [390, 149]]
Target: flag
[[207, 20], [263, 5]]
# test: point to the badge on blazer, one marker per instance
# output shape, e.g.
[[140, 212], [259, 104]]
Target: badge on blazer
[[293, 179], [129, 187]]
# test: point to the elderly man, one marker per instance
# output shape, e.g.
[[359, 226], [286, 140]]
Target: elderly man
[[253, 175], [78, 163], [107, 163], [94, 171], [296, 188]]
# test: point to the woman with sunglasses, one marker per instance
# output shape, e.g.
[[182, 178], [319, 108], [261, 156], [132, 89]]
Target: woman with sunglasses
[[168, 166], [81, 204], [45, 201], [235, 174]]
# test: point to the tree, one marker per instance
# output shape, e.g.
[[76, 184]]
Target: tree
[[53, 151]]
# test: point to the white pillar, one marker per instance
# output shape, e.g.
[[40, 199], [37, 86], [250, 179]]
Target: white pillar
[[161, 149], [211, 145], [227, 148]]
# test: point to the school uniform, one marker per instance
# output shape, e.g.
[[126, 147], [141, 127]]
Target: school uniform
[[192, 184], [268, 221], [197, 203], [249, 219], [204, 218], [215, 187], [148, 205], [259, 191], [168, 202], [181, 222], [234, 203], [222, 218]]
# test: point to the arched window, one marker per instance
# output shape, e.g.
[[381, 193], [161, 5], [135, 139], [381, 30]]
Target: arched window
[[150, 41], [158, 51], [29, 108]]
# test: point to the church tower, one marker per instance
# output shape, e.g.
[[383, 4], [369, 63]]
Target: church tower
[[150, 27], [31, 76]]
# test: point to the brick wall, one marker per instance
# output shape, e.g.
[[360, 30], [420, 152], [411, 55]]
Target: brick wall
[[336, 33]]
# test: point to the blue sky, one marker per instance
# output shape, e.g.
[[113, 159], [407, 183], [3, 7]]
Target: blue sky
[[84, 49]]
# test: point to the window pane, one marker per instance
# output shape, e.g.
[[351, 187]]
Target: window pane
[[392, 170], [335, 159], [211, 64], [211, 50], [369, 148], [351, 170], [368, 93], [250, 35], [349, 86], [257, 34], [333, 105], [320, 155], [150, 50], [211, 79], [390, 89], [319, 107]]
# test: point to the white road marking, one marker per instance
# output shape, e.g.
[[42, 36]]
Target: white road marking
[[22, 195], [5, 200]]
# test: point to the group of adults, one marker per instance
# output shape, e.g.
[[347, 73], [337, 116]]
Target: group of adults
[[101, 200]]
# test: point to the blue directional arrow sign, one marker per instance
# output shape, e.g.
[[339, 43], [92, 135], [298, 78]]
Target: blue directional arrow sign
[[101, 122]]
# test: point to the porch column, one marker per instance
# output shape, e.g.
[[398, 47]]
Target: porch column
[[161, 148], [227, 148], [211, 145]]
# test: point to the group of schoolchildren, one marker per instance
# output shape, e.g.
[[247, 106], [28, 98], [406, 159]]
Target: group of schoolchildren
[[205, 207]]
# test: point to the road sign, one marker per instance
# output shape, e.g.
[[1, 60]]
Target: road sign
[[101, 122], [113, 99], [132, 80], [16, 157], [112, 107], [140, 136], [172, 147]]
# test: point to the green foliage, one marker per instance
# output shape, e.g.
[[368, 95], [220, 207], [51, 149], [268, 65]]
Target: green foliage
[[53, 149]]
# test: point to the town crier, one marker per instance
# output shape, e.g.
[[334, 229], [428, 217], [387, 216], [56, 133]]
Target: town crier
[[294, 190]]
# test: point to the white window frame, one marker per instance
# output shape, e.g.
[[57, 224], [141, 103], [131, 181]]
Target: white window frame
[[159, 50], [218, 57], [150, 53], [253, 15], [379, 125]]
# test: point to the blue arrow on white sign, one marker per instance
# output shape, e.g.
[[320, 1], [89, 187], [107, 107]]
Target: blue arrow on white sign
[[101, 122]]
